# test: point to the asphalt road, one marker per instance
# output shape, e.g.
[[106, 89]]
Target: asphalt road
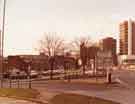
[[126, 77]]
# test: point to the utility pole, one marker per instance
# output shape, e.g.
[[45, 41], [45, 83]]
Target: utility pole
[[2, 42]]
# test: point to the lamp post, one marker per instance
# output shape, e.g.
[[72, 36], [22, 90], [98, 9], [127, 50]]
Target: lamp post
[[2, 42], [29, 74]]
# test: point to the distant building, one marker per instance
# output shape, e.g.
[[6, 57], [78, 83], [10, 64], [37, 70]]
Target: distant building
[[64, 61], [14, 62], [40, 62], [95, 58], [127, 41], [92, 52], [37, 62], [110, 44], [104, 60]]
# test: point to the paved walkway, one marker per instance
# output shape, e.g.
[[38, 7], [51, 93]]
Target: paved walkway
[[4, 100], [116, 93], [123, 97]]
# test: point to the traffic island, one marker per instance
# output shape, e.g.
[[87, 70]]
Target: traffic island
[[69, 98]]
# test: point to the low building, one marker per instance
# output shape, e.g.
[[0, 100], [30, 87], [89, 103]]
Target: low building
[[104, 60], [127, 61], [96, 58], [37, 62], [64, 61]]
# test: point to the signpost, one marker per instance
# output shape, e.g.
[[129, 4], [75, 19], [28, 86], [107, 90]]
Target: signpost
[[104, 62]]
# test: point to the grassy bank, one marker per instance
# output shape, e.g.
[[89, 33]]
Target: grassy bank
[[19, 93], [78, 99]]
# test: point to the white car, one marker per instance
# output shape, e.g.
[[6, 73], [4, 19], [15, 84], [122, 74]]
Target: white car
[[33, 73]]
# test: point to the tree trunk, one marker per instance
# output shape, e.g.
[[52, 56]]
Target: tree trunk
[[83, 69], [51, 73]]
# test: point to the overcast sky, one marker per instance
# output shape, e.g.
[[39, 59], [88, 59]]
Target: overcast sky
[[27, 20]]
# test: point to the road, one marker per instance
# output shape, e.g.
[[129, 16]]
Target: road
[[126, 77]]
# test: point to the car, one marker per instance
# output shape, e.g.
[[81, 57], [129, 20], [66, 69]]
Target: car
[[14, 74], [6, 75], [33, 74], [55, 72], [22, 75], [45, 73]]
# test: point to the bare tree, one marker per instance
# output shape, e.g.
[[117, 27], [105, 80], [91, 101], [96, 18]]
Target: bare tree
[[80, 45], [51, 44], [78, 41]]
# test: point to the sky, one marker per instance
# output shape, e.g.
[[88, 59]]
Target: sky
[[28, 20]]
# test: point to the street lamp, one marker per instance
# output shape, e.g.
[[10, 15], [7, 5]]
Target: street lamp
[[29, 74], [2, 41]]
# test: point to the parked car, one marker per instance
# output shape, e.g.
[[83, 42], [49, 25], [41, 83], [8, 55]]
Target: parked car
[[23, 75], [33, 74], [55, 72], [6, 75], [45, 73], [14, 74]]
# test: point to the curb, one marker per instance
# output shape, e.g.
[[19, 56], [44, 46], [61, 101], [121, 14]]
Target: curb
[[124, 83]]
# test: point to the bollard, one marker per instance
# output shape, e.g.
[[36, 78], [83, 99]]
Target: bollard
[[110, 78], [10, 83]]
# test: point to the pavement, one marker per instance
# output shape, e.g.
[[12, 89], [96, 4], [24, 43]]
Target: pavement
[[123, 92], [126, 77], [115, 92], [123, 97]]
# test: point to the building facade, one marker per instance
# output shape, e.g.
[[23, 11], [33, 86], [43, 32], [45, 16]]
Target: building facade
[[123, 38], [127, 41], [38, 62], [127, 38], [109, 44]]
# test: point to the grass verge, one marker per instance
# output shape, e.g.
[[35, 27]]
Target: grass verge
[[19, 93], [78, 99]]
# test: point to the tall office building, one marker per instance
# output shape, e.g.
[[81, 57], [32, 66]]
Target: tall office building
[[127, 40], [109, 44]]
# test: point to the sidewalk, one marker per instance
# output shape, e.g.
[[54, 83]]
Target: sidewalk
[[116, 93], [121, 96]]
